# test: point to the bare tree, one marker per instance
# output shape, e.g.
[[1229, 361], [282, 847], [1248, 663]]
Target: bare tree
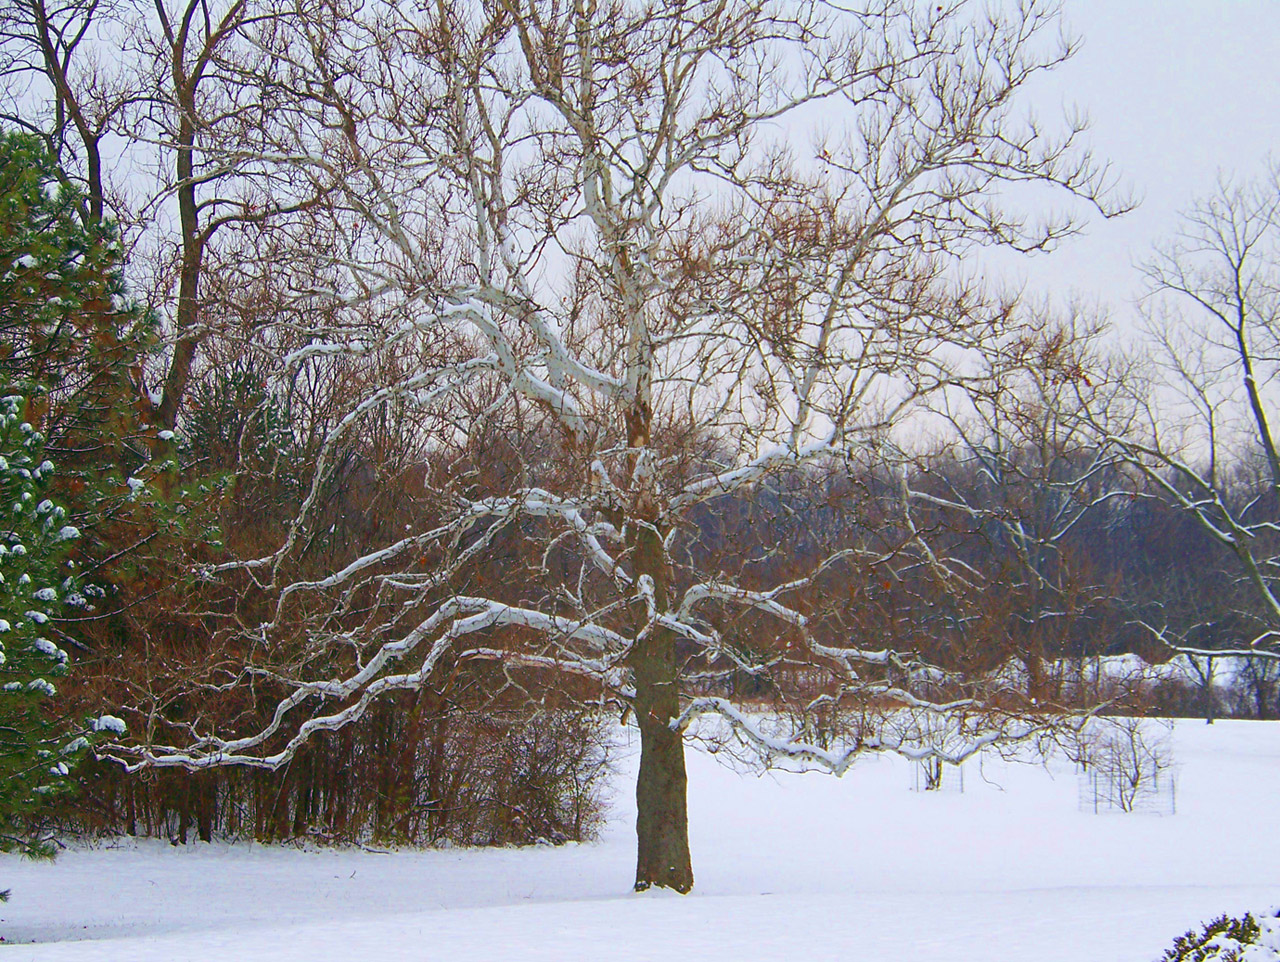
[[207, 101], [1213, 312], [174, 90], [60, 87], [670, 255], [1260, 678], [1030, 483]]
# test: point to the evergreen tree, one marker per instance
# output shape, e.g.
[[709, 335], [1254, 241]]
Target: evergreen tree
[[37, 749], [67, 330], [68, 339]]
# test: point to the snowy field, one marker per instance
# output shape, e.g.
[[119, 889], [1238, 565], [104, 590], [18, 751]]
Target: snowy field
[[809, 867]]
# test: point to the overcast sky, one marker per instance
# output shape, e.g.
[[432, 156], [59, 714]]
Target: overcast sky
[[1177, 91]]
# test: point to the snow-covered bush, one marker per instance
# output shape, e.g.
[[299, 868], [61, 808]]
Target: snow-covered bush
[[1224, 939]]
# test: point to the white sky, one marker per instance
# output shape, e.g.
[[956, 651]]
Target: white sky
[[1178, 91]]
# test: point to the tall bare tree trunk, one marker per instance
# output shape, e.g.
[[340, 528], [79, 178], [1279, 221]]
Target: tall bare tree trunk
[[193, 242], [662, 819]]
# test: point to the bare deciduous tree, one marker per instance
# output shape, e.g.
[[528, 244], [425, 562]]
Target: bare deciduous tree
[[1213, 313], [60, 90], [1029, 480], [208, 99], [669, 255]]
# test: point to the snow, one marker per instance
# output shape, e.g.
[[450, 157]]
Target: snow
[[1267, 947], [47, 647], [787, 867], [108, 723]]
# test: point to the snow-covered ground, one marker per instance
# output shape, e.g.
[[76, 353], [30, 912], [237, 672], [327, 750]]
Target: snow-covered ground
[[803, 867]]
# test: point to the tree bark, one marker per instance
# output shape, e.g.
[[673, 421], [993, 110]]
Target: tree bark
[[193, 242], [662, 820]]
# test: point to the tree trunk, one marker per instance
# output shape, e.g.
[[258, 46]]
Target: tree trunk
[[178, 376], [662, 820], [184, 810], [207, 810], [1210, 701]]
